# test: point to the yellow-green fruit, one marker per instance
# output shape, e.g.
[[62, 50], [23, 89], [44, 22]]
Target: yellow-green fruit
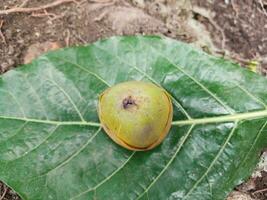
[[136, 115]]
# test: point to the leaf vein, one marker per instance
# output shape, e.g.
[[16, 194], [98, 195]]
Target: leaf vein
[[255, 141], [69, 158], [230, 110], [251, 95], [75, 154], [251, 147], [106, 179], [19, 105], [69, 98], [86, 70], [37, 96], [213, 162], [181, 143], [45, 139], [16, 132]]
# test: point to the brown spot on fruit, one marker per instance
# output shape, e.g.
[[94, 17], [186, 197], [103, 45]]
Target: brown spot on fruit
[[128, 102], [147, 129]]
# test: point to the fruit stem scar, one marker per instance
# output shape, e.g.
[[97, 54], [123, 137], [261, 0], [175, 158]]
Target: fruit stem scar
[[128, 102]]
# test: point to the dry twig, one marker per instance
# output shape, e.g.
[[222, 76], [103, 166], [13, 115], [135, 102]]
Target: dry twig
[[234, 8], [67, 39], [24, 3], [45, 13], [34, 9], [101, 1], [4, 193], [262, 7], [1, 33], [51, 16], [101, 16], [81, 39], [214, 24], [259, 191]]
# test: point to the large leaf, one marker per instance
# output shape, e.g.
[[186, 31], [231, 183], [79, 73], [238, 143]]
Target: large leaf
[[52, 146]]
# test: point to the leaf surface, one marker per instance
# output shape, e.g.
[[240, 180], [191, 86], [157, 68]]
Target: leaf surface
[[52, 145]]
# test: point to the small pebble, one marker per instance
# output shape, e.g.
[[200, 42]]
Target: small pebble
[[11, 50]]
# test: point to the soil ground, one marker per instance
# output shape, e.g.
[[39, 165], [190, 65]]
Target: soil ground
[[234, 29]]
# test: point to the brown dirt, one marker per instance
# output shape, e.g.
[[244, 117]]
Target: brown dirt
[[241, 27], [234, 29], [255, 187], [70, 24], [7, 194], [260, 191]]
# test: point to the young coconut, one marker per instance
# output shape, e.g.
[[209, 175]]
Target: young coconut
[[136, 115]]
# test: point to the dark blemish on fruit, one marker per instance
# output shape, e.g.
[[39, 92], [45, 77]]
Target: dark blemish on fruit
[[147, 130], [128, 102]]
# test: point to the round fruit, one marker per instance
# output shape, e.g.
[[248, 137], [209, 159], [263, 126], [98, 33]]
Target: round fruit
[[136, 115]]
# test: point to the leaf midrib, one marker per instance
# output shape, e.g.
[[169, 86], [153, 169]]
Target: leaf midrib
[[207, 120], [223, 118], [52, 122]]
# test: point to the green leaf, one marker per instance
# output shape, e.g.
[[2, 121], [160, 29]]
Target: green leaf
[[52, 145]]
